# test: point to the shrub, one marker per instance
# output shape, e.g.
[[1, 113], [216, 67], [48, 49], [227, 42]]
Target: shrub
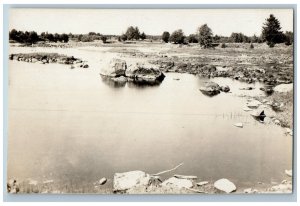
[[251, 46], [223, 45], [177, 37], [166, 36], [192, 38]]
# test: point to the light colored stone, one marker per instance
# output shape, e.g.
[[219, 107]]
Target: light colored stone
[[180, 183], [240, 125], [248, 190], [246, 109], [225, 185], [186, 176], [253, 104], [116, 67], [102, 181], [127, 180], [289, 173], [284, 88], [202, 183]]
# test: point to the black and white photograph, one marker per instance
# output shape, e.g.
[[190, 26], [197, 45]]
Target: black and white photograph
[[150, 101]]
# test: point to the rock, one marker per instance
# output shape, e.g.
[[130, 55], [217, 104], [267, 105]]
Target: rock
[[289, 131], [202, 183], [248, 190], [180, 183], [284, 182], [210, 89], [284, 88], [115, 68], [289, 173], [246, 109], [144, 73], [12, 186], [102, 181], [225, 185], [176, 79], [85, 66], [282, 188], [276, 121], [253, 104], [128, 180], [239, 125], [258, 115], [225, 88], [120, 79]]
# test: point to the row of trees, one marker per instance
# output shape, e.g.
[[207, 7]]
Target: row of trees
[[271, 34], [31, 37]]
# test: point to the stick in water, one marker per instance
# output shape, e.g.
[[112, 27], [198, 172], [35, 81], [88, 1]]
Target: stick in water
[[168, 170]]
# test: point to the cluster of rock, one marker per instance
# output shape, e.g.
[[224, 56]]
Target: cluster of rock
[[270, 75], [212, 88], [119, 71], [137, 182], [46, 58]]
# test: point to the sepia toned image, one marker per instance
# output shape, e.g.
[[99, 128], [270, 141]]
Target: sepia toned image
[[150, 101]]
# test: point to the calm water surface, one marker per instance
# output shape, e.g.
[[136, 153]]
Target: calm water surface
[[74, 127]]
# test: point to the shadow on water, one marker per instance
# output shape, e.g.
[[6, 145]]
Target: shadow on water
[[111, 83], [131, 84]]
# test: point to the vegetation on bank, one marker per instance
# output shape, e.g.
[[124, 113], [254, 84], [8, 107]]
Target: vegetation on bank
[[271, 34]]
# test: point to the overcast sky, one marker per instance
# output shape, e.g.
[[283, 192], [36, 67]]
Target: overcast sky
[[151, 21]]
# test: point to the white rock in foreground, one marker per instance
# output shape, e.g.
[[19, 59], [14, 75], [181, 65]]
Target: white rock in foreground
[[202, 183], [225, 185], [180, 183], [240, 125], [128, 180], [288, 173]]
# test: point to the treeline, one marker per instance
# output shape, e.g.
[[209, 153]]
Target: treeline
[[31, 37], [271, 34]]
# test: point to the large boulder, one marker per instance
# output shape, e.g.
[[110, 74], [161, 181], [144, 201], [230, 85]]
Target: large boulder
[[144, 73], [210, 89], [225, 185], [128, 180], [115, 68]]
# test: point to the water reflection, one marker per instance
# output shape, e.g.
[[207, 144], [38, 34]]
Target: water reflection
[[112, 83]]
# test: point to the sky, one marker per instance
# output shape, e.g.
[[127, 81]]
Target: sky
[[151, 21]]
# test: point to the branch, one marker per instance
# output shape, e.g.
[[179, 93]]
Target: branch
[[167, 170]]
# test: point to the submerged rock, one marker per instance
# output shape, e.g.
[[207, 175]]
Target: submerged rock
[[210, 89], [240, 125], [225, 185], [177, 182], [128, 180], [225, 88]]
